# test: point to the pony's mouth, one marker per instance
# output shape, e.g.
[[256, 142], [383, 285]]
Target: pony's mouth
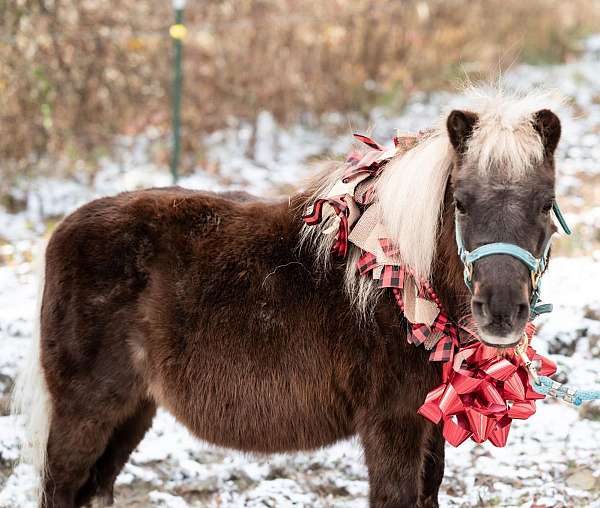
[[500, 339], [506, 342], [495, 342]]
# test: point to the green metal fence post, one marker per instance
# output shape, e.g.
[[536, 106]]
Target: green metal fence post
[[177, 32]]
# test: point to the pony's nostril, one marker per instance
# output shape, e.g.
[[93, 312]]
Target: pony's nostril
[[523, 311], [480, 308]]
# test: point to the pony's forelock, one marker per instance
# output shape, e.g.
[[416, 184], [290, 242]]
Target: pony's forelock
[[505, 139]]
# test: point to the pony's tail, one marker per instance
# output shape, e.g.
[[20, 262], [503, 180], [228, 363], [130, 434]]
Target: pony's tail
[[30, 401]]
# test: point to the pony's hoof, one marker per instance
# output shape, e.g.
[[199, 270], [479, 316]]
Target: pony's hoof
[[105, 501], [429, 502]]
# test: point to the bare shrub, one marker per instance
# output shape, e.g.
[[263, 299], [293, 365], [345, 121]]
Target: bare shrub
[[75, 75]]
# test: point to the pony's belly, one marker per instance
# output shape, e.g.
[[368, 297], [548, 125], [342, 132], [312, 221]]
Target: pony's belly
[[279, 415], [274, 435]]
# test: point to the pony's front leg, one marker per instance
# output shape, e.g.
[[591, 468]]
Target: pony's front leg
[[394, 452], [433, 468]]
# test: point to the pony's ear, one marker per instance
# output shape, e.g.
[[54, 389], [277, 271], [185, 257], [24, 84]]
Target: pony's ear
[[548, 126], [460, 126]]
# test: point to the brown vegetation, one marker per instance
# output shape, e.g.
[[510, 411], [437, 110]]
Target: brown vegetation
[[74, 75]]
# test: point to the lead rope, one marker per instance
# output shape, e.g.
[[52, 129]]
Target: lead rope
[[546, 386]]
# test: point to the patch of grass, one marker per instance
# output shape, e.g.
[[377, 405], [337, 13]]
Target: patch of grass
[[569, 245], [590, 411], [489, 501]]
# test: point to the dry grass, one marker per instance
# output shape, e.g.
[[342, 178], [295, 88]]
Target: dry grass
[[75, 75]]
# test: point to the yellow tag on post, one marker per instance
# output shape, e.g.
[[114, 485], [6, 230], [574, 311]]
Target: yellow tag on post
[[178, 31]]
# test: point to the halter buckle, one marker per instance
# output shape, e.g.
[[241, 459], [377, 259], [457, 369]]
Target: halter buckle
[[468, 272], [535, 278]]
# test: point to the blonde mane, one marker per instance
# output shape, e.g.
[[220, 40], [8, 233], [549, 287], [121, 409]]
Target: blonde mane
[[411, 189]]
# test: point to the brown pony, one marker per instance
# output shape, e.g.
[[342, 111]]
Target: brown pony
[[205, 304]]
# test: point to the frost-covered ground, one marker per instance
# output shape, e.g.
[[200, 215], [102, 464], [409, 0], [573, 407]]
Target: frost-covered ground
[[552, 459]]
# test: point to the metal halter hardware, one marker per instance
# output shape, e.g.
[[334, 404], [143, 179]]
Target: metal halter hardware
[[536, 266]]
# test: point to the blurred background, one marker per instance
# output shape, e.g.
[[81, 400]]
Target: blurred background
[[81, 80], [268, 88]]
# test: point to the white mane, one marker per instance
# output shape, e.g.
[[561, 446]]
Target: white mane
[[411, 188]]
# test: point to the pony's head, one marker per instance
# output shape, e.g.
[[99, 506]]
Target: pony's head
[[496, 158], [503, 187]]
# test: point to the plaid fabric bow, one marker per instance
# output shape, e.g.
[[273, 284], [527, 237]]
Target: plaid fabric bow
[[358, 167], [314, 215]]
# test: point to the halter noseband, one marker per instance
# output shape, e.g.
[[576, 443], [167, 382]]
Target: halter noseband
[[536, 266]]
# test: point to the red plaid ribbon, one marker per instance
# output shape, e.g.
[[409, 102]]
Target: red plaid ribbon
[[393, 276], [368, 141], [366, 263], [314, 215], [388, 248], [357, 164]]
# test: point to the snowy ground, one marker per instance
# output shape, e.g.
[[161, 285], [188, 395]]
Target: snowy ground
[[552, 459]]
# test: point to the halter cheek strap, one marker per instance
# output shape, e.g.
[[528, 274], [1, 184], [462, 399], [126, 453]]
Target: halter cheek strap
[[536, 266]]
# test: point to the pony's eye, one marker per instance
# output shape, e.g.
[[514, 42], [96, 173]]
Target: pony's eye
[[547, 207], [459, 206]]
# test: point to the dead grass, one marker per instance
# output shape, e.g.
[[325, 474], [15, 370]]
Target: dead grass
[[76, 75]]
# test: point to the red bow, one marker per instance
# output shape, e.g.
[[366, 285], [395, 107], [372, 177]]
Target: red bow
[[482, 393]]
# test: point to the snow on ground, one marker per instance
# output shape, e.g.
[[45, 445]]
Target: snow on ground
[[552, 459]]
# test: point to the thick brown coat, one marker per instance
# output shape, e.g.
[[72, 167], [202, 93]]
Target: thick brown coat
[[204, 304]]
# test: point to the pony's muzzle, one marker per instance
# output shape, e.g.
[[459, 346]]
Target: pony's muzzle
[[501, 310]]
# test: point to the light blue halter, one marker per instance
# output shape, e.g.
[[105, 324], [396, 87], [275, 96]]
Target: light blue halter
[[536, 266]]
